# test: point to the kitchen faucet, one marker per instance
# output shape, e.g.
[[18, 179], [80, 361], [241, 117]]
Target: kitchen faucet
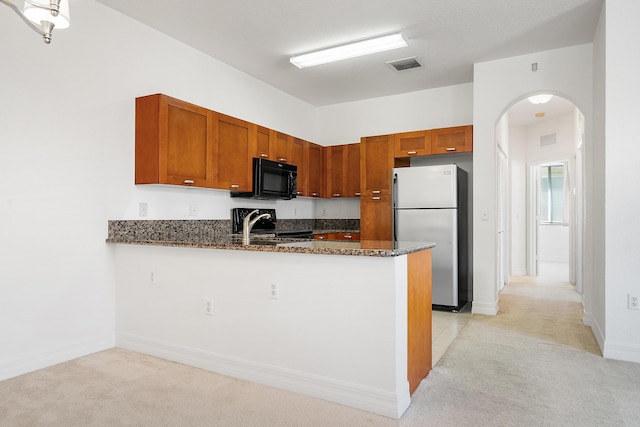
[[248, 224]]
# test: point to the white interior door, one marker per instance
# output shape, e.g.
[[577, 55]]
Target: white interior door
[[501, 216]]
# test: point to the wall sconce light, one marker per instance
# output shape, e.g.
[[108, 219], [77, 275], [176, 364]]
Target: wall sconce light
[[350, 50], [43, 15]]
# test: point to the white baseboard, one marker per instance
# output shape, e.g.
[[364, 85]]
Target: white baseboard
[[43, 360], [369, 399], [587, 318], [597, 333], [627, 352], [481, 307]]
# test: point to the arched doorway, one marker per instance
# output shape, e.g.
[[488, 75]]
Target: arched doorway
[[539, 186]]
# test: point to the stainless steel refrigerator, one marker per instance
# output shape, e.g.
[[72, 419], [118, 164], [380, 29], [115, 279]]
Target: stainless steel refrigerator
[[430, 204]]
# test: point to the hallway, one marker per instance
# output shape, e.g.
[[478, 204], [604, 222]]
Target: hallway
[[548, 307]]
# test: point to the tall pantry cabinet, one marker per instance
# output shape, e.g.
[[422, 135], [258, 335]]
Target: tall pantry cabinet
[[376, 164]]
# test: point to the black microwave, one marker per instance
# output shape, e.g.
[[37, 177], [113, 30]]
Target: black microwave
[[271, 180]]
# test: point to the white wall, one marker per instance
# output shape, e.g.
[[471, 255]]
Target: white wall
[[66, 167], [553, 241], [622, 182], [517, 201], [317, 338], [433, 108], [497, 86]]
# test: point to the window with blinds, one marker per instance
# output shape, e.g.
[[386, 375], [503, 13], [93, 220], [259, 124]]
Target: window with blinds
[[551, 194]]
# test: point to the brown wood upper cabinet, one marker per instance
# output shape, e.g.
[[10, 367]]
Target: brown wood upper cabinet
[[280, 151], [234, 141], [264, 141], [296, 154], [342, 163], [314, 166], [336, 158], [174, 143], [409, 144], [353, 170], [457, 139]]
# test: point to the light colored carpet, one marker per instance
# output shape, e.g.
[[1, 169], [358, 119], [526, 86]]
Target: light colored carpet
[[534, 364]]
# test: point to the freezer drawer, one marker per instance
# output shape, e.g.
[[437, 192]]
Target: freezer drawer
[[439, 226]]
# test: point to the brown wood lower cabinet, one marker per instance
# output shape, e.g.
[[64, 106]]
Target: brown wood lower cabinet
[[337, 236], [419, 286]]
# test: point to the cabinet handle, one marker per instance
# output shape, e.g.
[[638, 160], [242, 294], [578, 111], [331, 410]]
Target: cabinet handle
[[298, 193], [282, 159], [451, 148], [375, 198], [358, 193], [314, 194], [376, 191], [412, 152], [264, 155], [320, 237], [347, 236], [188, 181], [336, 194], [235, 186]]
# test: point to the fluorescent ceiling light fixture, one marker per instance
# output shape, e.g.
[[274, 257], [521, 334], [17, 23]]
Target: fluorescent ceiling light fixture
[[540, 99], [351, 50]]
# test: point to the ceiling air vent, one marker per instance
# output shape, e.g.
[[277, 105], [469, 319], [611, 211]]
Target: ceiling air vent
[[405, 64], [547, 139]]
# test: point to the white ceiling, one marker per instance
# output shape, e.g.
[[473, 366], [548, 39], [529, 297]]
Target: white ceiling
[[447, 37], [524, 113]]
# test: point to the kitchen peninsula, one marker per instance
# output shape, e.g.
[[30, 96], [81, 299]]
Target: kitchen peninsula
[[348, 322]]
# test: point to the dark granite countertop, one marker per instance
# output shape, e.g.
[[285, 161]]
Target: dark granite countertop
[[215, 234], [331, 247]]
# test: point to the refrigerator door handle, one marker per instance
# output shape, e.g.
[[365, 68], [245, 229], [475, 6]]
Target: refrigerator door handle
[[394, 202]]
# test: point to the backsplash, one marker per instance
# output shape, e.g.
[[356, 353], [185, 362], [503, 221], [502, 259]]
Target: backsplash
[[337, 224], [207, 230]]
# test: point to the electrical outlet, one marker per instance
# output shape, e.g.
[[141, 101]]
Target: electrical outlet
[[633, 302], [142, 209], [193, 210], [294, 211], [274, 292], [153, 277], [208, 307]]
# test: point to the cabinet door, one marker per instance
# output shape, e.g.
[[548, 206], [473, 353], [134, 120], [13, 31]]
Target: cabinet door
[[457, 139], [336, 162], [315, 167], [376, 165], [234, 141], [281, 146], [376, 218], [297, 158], [409, 144], [376, 162], [174, 144], [264, 140], [353, 170]]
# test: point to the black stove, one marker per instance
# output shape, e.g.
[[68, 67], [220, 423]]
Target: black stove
[[263, 226]]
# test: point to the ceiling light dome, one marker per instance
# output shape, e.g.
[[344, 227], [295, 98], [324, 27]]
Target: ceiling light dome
[[540, 99]]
